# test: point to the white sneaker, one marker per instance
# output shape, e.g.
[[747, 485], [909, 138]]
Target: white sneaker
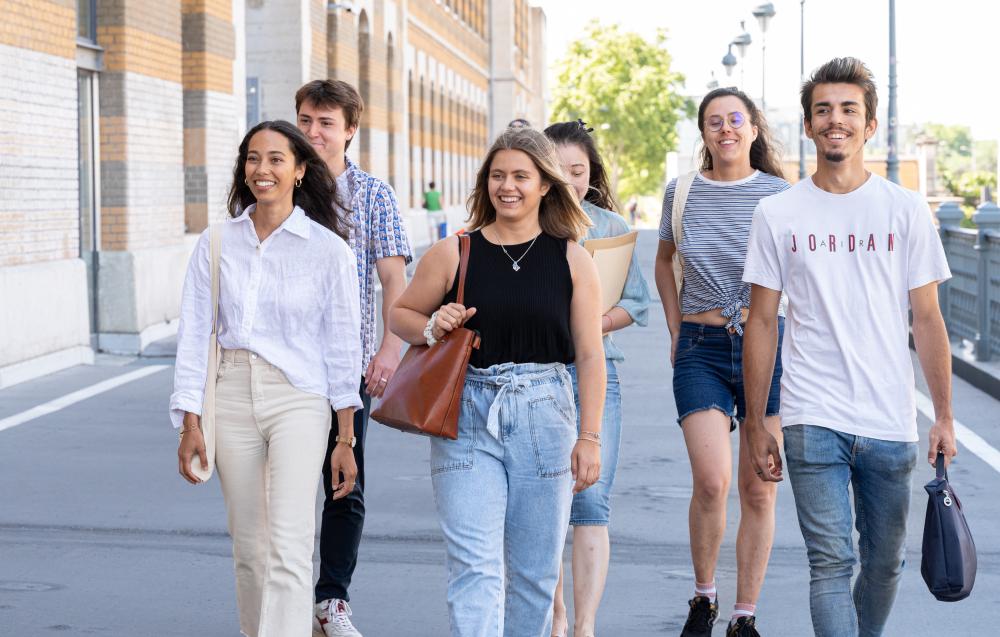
[[331, 618]]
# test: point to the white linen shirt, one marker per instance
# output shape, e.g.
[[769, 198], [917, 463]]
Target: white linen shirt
[[292, 299]]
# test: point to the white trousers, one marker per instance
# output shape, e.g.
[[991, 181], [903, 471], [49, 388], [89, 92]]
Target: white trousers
[[270, 448]]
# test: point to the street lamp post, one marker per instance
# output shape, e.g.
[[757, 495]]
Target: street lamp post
[[802, 79], [892, 162], [742, 41], [729, 61], [763, 13]]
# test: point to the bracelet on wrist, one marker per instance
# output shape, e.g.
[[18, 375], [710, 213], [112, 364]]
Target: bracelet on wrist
[[585, 439], [429, 329], [593, 435]]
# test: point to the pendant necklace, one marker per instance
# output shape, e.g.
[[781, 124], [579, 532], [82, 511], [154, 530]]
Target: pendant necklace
[[514, 262]]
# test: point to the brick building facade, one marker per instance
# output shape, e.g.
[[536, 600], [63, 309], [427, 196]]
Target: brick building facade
[[119, 121]]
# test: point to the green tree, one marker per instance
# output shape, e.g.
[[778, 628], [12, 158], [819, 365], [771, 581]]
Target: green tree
[[622, 86]]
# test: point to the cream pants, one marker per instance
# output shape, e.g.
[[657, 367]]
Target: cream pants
[[270, 448]]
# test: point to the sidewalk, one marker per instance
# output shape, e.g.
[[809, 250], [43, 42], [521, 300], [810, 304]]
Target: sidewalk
[[984, 376]]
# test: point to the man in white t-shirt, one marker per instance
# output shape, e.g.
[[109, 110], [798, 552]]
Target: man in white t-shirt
[[853, 253]]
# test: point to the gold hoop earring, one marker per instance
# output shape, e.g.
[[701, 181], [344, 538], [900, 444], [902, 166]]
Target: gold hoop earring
[[298, 182]]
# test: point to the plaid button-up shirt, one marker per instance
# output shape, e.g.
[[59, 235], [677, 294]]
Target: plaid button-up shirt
[[376, 232]]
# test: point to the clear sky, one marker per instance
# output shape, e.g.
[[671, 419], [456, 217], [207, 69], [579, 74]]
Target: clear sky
[[948, 52]]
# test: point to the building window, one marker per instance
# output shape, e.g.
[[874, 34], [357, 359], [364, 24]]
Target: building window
[[86, 20]]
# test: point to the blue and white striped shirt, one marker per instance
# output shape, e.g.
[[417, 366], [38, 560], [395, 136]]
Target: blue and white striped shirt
[[376, 232], [717, 220]]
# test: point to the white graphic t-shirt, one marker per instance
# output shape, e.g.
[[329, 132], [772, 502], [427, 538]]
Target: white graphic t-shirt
[[847, 263]]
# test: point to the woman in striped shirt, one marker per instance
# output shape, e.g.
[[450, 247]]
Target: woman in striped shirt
[[739, 167]]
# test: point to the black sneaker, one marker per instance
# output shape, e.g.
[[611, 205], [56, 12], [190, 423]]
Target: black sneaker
[[701, 617], [743, 627]]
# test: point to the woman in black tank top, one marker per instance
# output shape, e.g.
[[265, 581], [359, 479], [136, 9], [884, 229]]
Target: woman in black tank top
[[503, 488]]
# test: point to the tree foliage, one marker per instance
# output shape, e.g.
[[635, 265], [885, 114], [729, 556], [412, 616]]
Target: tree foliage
[[622, 86], [964, 165]]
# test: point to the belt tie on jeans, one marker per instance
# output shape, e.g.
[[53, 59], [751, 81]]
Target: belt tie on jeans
[[508, 383], [733, 310]]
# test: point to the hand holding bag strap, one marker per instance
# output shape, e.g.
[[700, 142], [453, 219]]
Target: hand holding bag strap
[[464, 244], [939, 469]]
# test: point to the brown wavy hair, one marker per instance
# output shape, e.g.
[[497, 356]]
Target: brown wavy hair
[[764, 154], [845, 70], [559, 213]]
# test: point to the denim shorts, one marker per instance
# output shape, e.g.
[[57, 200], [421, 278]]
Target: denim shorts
[[592, 506], [708, 372]]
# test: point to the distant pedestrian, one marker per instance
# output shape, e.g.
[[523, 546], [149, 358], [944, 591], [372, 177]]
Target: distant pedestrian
[[289, 327], [329, 114], [738, 167], [590, 514], [633, 210], [432, 198], [854, 254], [503, 488]]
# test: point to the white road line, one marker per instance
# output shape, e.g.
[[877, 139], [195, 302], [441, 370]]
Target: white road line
[[969, 439], [69, 399]]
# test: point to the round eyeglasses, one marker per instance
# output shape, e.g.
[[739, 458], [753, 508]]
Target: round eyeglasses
[[715, 122]]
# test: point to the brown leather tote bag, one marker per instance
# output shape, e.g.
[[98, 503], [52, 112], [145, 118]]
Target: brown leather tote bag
[[425, 394]]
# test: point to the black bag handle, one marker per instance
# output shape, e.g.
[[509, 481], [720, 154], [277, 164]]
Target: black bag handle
[[939, 469]]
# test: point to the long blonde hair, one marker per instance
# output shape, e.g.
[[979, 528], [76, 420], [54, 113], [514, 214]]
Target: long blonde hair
[[559, 213]]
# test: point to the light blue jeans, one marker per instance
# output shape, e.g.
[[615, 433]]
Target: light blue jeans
[[821, 464], [592, 506], [503, 492]]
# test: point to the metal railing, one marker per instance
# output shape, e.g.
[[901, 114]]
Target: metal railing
[[970, 300]]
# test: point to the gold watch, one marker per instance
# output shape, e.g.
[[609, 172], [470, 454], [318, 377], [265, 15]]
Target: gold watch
[[348, 441]]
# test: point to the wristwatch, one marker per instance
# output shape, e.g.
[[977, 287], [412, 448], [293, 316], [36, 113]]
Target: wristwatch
[[348, 441]]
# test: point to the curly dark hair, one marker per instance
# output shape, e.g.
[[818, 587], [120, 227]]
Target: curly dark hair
[[599, 191], [763, 152], [317, 195]]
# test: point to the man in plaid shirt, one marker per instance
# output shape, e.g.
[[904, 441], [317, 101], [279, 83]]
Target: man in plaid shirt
[[328, 112]]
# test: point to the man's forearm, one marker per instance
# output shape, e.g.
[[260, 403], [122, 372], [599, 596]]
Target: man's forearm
[[930, 336], [393, 284], [760, 342]]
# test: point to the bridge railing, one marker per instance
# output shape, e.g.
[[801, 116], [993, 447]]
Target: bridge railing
[[970, 300]]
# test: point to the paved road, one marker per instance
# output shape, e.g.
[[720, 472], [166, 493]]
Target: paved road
[[99, 536]]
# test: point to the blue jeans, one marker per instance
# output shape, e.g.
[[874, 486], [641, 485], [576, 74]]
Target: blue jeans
[[503, 491], [821, 464], [708, 372], [592, 506]]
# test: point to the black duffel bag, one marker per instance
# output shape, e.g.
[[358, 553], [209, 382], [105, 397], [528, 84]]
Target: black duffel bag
[[949, 554]]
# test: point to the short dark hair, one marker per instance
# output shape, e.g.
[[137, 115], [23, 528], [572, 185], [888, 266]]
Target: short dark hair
[[847, 70], [333, 94], [430, 185]]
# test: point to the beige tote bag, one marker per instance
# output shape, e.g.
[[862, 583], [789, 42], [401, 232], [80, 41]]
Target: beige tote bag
[[214, 355]]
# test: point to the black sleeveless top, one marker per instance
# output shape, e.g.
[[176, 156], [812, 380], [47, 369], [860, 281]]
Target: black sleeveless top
[[523, 315]]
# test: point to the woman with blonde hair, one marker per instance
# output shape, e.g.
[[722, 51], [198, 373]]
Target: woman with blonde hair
[[503, 488]]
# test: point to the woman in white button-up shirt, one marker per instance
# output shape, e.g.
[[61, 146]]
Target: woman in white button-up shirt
[[289, 326]]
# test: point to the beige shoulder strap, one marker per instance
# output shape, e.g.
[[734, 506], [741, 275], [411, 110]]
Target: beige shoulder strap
[[681, 189], [215, 237]]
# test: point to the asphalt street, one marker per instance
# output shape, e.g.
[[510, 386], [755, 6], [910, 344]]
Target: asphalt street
[[100, 536]]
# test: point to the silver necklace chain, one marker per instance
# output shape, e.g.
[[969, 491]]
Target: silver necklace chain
[[514, 262]]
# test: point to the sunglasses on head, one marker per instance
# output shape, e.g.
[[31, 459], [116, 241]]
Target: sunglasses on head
[[715, 122]]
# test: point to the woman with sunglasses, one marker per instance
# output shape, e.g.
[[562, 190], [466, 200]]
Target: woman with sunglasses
[[738, 167]]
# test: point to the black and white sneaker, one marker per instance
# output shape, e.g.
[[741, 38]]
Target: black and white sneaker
[[701, 617], [743, 627]]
